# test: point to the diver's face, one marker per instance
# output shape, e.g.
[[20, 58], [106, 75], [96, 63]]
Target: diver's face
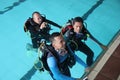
[[77, 27], [58, 43], [37, 18]]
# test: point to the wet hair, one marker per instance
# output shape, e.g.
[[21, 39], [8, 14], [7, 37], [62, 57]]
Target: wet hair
[[77, 19], [36, 12], [53, 35]]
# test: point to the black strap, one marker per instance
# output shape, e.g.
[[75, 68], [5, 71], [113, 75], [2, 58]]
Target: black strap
[[52, 51]]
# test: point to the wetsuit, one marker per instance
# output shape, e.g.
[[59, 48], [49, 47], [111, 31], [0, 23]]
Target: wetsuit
[[36, 33], [78, 37], [60, 70]]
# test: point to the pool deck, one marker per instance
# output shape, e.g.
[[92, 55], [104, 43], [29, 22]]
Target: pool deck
[[107, 66]]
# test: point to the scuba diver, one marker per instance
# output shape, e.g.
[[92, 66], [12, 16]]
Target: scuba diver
[[76, 32], [39, 28], [59, 57]]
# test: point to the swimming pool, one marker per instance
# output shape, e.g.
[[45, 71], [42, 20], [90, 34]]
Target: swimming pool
[[102, 17]]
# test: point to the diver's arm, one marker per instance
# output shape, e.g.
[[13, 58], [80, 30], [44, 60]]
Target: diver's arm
[[80, 61], [53, 23], [52, 63], [95, 40]]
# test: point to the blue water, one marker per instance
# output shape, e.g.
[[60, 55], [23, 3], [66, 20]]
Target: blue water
[[102, 17]]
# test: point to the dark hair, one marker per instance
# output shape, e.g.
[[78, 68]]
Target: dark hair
[[77, 19], [53, 35], [36, 12]]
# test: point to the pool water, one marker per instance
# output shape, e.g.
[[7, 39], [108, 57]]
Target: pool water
[[102, 18]]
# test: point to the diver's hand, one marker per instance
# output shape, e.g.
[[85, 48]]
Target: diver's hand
[[103, 47], [69, 34], [43, 25]]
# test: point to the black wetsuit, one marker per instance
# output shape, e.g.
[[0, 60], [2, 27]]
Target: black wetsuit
[[36, 33], [71, 35]]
